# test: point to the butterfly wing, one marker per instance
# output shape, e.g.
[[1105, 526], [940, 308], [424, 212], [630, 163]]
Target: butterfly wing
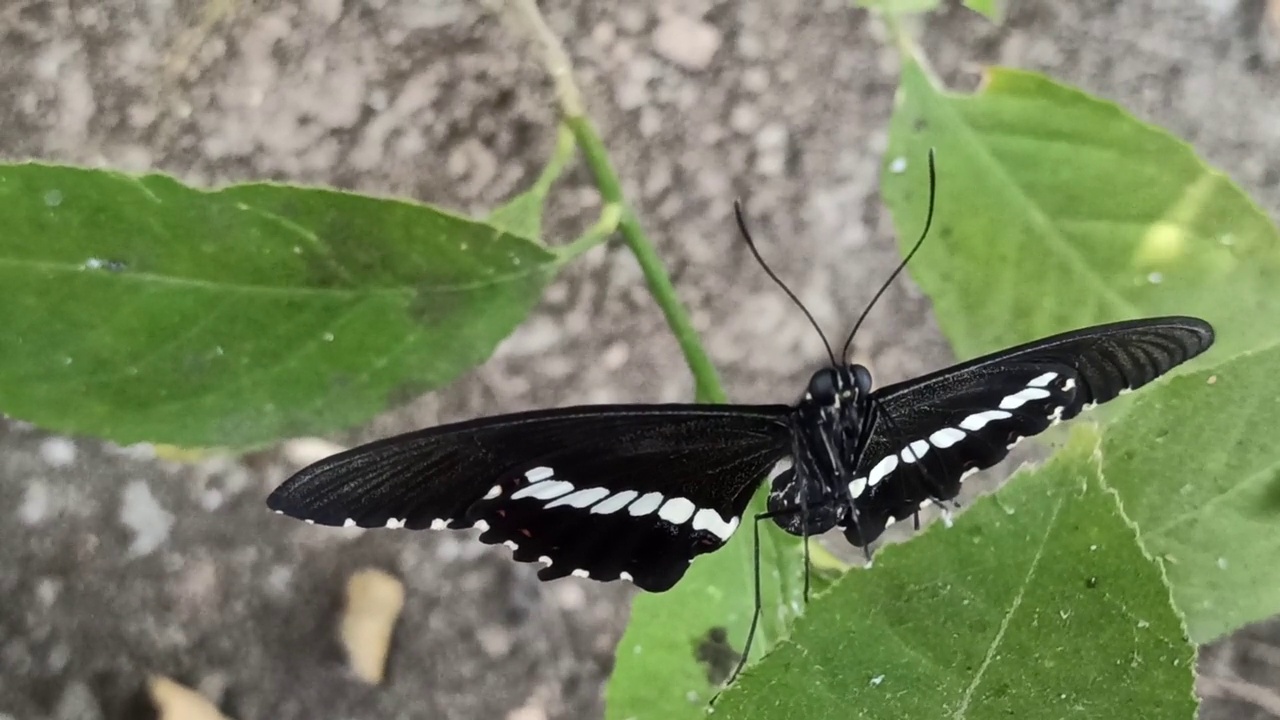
[[610, 491], [928, 434]]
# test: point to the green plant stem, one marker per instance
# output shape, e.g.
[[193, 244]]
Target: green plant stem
[[560, 158], [606, 225], [706, 379], [556, 61]]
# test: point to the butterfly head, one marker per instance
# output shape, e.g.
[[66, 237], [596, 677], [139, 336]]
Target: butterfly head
[[836, 387]]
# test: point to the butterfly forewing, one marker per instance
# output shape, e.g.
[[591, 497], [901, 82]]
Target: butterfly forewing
[[926, 435], [606, 491]]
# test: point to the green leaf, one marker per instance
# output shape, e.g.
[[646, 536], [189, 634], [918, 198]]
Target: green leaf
[[1038, 604], [139, 309], [522, 214], [1057, 210], [682, 644], [1197, 468], [993, 10], [899, 7]]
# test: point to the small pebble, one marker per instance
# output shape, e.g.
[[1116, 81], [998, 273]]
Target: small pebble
[[686, 42]]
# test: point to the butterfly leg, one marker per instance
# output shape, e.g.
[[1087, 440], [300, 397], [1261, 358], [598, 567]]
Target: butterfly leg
[[805, 540], [758, 607]]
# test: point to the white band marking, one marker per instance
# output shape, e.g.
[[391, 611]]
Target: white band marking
[[581, 498], [914, 451], [711, 521], [615, 503], [1043, 380], [886, 465], [1021, 397], [677, 511], [646, 504], [858, 486], [977, 421], [545, 490], [539, 473], [946, 437]]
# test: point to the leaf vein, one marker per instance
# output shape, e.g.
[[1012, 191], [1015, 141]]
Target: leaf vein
[[961, 712]]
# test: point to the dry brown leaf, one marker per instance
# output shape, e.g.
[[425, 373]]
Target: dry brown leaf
[[374, 600], [179, 702]]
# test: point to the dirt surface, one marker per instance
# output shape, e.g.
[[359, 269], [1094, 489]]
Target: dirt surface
[[117, 564]]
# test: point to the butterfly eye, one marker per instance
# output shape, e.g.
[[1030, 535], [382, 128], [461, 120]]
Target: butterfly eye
[[862, 379], [822, 386]]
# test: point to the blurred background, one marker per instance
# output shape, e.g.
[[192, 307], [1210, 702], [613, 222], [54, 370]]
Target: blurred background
[[116, 564]]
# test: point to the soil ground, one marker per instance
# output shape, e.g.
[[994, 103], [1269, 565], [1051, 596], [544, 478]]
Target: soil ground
[[118, 564]]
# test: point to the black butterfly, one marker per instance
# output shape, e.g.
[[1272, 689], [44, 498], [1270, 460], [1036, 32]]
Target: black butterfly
[[637, 491]]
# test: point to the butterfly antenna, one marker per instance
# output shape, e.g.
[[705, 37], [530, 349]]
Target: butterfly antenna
[[740, 214], [928, 222]]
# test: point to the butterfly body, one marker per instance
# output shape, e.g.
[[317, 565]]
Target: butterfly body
[[809, 498], [635, 492]]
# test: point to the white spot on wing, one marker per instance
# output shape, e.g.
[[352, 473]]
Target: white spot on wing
[[1069, 384], [494, 492], [977, 421], [580, 573], [545, 560], [439, 524], [348, 523], [915, 451], [482, 526], [646, 504], [858, 486], [710, 520], [581, 498], [511, 544], [780, 467], [946, 437], [394, 523], [1021, 397], [1043, 380], [545, 490], [539, 473], [626, 576], [614, 503], [677, 511], [881, 469]]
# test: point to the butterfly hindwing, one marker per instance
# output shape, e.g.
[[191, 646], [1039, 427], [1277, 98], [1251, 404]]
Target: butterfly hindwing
[[604, 491], [926, 435]]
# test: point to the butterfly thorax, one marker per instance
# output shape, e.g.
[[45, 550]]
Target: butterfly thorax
[[828, 428]]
